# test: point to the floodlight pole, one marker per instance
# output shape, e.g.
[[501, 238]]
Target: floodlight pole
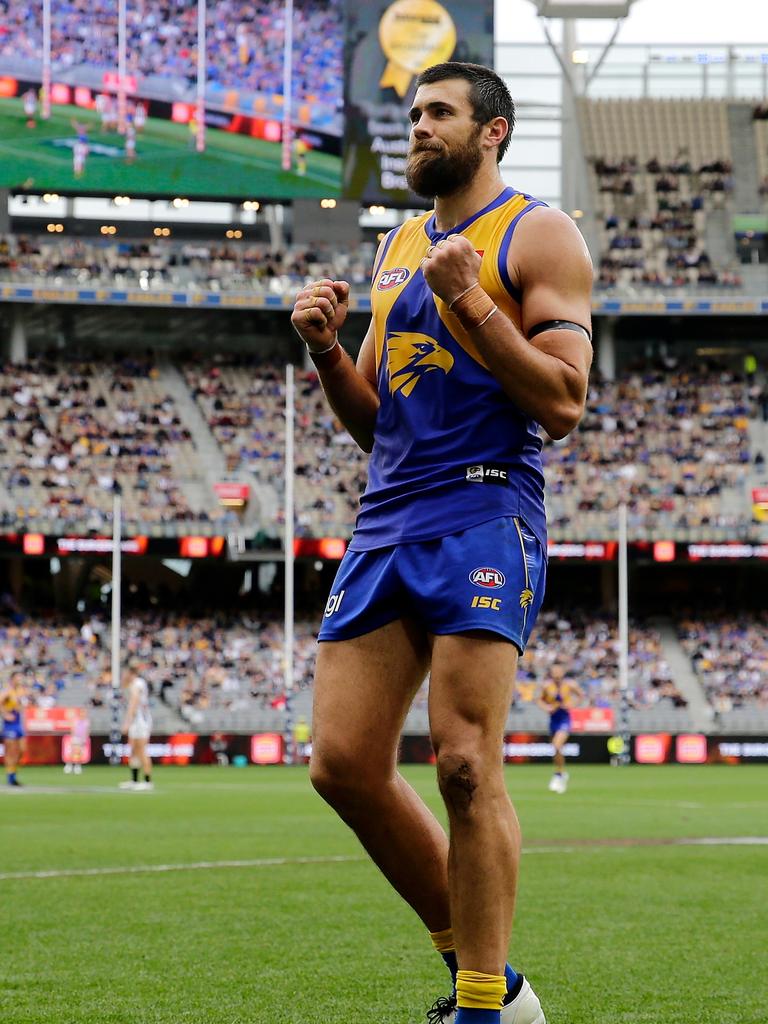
[[45, 91], [623, 723], [117, 554], [202, 71], [288, 756], [122, 105], [287, 84]]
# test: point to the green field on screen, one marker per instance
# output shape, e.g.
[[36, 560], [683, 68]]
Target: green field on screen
[[143, 918], [40, 159]]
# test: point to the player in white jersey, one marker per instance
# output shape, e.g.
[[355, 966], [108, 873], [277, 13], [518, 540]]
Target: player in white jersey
[[78, 745], [130, 140], [140, 116], [30, 107], [137, 723]]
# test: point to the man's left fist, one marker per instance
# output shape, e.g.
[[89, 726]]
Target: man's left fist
[[451, 267]]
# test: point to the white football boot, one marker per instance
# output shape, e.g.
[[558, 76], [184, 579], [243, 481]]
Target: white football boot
[[525, 1008]]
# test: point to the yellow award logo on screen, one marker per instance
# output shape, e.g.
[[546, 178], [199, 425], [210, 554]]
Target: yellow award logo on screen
[[414, 35]]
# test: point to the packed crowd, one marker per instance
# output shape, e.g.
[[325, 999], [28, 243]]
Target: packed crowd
[[163, 264], [71, 427], [219, 662], [655, 220], [587, 646], [233, 662], [673, 446], [244, 407], [244, 41], [729, 655]]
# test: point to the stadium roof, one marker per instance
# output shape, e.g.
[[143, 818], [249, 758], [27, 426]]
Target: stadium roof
[[583, 8]]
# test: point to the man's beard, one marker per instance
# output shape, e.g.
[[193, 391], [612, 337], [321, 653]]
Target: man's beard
[[433, 172]]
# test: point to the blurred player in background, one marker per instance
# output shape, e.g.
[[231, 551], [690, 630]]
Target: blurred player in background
[[137, 723], [558, 695], [78, 743], [80, 148], [140, 116], [12, 700], [480, 332], [30, 107], [300, 150], [130, 140]]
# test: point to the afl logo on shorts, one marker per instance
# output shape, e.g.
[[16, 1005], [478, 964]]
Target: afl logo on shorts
[[392, 278], [487, 577]]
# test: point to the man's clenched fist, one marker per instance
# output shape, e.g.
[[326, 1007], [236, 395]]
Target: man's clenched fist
[[319, 311]]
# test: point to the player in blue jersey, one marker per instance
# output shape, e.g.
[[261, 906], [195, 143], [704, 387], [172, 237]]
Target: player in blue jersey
[[480, 333], [12, 700], [557, 698]]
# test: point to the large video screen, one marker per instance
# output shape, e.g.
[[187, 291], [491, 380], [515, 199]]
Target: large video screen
[[176, 97], [388, 44]]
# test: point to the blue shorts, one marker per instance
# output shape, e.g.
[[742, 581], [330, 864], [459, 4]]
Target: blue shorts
[[559, 721], [489, 577], [12, 731]]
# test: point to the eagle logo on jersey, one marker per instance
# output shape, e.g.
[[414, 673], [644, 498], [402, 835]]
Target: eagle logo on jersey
[[410, 357]]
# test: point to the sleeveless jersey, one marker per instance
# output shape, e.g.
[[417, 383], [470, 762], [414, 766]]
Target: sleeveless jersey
[[451, 450], [558, 696], [143, 715], [11, 710]]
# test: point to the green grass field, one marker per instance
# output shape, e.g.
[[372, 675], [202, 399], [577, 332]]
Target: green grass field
[[233, 165], [614, 923]]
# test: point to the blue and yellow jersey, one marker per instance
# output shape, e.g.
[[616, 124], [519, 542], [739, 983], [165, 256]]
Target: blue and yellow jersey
[[451, 450], [559, 696], [10, 707]]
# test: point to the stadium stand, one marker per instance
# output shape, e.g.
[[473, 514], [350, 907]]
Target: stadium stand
[[243, 405], [729, 655], [224, 670], [220, 671], [154, 264], [71, 426], [660, 168], [674, 445]]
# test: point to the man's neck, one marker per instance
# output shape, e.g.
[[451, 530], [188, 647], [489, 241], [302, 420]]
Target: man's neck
[[452, 210]]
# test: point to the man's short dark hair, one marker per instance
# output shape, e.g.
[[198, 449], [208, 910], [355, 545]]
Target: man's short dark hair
[[488, 93]]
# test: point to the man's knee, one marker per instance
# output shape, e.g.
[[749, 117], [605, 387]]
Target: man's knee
[[459, 775], [340, 778]]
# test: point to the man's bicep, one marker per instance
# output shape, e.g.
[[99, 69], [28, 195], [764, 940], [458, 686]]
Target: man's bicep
[[552, 263]]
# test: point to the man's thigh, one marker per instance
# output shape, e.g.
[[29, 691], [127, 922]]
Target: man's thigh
[[471, 687], [364, 687]]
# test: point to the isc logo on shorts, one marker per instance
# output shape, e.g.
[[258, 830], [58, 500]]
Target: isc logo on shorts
[[494, 603], [334, 603], [392, 278], [485, 576], [487, 474]]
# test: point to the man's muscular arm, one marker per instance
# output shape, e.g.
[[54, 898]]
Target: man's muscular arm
[[318, 314], [545, 377]]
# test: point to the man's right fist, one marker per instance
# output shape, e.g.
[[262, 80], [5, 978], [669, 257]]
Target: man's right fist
[[319, 311]]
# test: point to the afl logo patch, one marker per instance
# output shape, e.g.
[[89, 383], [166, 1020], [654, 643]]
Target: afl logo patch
[[392, 278], [485, 576]]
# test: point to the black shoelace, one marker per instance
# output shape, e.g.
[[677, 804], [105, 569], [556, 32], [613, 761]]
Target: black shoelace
[[441, 1009]]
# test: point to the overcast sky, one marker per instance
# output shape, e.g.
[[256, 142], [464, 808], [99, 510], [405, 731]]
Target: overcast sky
[[650, 21]]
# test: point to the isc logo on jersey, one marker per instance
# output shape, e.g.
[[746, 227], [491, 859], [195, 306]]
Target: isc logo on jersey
[[485, 576], [392, 278]]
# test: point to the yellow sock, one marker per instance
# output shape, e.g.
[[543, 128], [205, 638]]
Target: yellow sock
[[475, 991], [443, 941]]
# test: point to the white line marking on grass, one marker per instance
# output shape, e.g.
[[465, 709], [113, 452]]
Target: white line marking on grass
[[201, 865], [269, 862]]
